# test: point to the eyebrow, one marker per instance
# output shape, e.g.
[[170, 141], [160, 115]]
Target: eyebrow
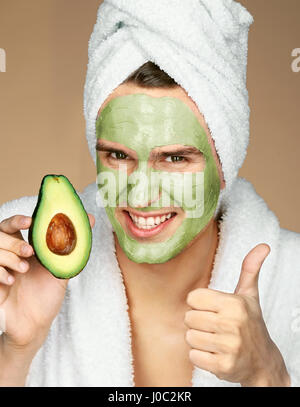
[[108, 149], [182, 152], [102, 146]]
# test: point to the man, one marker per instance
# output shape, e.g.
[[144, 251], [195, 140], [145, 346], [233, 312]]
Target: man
[[158, 265]]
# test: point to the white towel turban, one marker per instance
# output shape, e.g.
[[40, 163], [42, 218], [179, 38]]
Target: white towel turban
[[201, 44]]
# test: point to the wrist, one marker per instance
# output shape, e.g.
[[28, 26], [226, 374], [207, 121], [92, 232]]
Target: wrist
[[267, 379], [14, 364], [272, 374]]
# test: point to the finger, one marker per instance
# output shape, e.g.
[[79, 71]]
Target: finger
[[248, 281], [204, 360], [15, 224], [201, 320], [205, 341], [12, 261], [5, 277], [205, 299], [15, 245], [91, 219]]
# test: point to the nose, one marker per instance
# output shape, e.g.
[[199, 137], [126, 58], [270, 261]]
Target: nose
[[144, 203], [145, 190]]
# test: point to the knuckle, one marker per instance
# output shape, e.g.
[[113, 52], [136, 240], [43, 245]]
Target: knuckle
[[190, 298], [2, 225], [190, 336], [21, 247], [16, 246], [193, 296], [225, 325], [194, 357], [241, 311], [17, 218], [5, 220], [231, 325], [10, 244], [235, 345], [225, 367], [9, 259], [11, 220], [16, 221], [242, 319], [242, 303], [237, 328], [189, 317]]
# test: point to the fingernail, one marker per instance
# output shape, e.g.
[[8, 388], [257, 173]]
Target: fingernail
[[26, 220], [23, 266], [26, 250], [10, 279]]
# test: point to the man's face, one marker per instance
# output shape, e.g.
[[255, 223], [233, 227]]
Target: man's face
[[155, 160]]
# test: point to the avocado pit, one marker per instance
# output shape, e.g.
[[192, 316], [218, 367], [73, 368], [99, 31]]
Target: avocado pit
[[61, 236]]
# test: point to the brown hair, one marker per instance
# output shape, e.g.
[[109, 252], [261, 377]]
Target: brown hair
[[149, 75]]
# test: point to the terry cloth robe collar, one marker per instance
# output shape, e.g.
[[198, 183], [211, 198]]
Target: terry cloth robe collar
[[89, 343]]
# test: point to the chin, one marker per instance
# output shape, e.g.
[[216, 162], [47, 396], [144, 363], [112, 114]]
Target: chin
[[142, 253]]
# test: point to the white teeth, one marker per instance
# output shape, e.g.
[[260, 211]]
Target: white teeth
[[149, 222], [141, 221], [157, 220]]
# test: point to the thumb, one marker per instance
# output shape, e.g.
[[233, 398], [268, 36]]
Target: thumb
[[248, 281]]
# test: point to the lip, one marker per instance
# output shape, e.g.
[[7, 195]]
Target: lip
[[135, 231], [150, 214]]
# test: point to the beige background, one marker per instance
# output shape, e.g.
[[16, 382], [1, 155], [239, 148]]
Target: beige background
[[41, 98]]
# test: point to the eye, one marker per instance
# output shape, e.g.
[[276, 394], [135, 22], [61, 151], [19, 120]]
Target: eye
[[175, 158], [118, 155]]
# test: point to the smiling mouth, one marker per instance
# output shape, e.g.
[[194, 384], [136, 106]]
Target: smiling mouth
[[149, 224]]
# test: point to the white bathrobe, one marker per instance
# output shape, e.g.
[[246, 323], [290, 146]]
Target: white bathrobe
[[89, 343]]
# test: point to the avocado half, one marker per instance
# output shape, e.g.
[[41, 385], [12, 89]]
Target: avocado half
[[60, 232]]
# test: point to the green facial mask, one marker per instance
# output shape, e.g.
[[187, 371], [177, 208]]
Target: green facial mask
[[142, 123]]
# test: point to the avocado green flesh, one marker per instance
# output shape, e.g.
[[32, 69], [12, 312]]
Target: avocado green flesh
[[57, 195]]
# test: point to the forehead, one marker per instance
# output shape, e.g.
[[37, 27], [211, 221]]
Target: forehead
[[149, 121]]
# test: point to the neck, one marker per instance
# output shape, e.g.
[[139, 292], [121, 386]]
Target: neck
[[165, 286]]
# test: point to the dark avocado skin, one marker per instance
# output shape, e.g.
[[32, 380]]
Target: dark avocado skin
[[35, 212], [30, 231]]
